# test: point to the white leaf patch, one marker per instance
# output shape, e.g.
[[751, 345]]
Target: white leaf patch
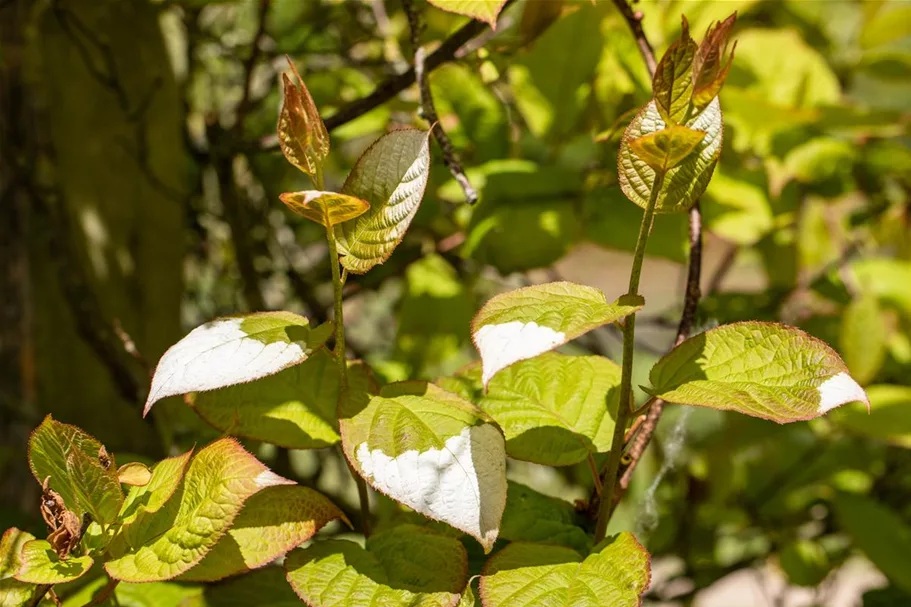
[[463, 484], [218, 354], [839, 390], [504, 344]]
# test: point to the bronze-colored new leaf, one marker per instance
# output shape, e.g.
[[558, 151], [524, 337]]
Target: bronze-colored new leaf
[[325, 208], [667, 148], [712, 62], [301, 132], [673, 82]]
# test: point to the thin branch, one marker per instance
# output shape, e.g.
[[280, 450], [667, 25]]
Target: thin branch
[[634, 21], [445, 53], [428, 110], [105, 593], [243, 107]]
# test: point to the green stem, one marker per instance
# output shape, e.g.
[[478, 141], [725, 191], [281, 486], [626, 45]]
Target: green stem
[[338, 282], [609, 483]]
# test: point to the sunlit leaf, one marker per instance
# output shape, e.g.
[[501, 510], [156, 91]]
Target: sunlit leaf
[[554, 409], [673, 81], [13, 592], [143, 500], [482, 10], [39, 564], [615, 574], [863, 337], [766, 370], [406, 566], [431, 451], [524, 323], [325, 208], [160, 545], [712, 64], [684, 183], [881, 533], [134, 473], [301, 132], [391, 176], [234, 350], [666, 148], [272, 522], [69, 457]]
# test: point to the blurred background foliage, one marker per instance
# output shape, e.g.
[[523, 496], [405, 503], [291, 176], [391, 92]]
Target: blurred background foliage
[[139, 176]]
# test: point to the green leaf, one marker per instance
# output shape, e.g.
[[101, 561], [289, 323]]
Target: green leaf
[[406, 566], [887, 279], [39, 564], [673, 81], [888, 419], [160, 545], [615, 574], [301, 132], [136, 474], [882, 535], [863, 338], [554, 409], [524, 323], [69, 457], [431, 451], [266, 586], [295, 408], [325, 208], [766, 370], [272, 522], [666, 148], [391, 175], [737, 206], [234, 350], [684, 183], [157, 594], [534, 517], [146, 499], [13, 593], [805, 562], [482, 10]]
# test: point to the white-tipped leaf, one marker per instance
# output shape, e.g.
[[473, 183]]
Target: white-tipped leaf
[[766, 370], [234, 350], [524, 323], [431, 451]]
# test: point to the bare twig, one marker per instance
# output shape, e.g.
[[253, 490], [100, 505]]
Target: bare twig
[[243, 107], [690, 303], [634, 20], [428, 110]]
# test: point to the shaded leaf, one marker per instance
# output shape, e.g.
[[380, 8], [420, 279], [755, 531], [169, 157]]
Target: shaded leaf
[[234, 350], [684, 183], [526, 322], [301, 132], [160, 545], [615, 574], [888, 419], [39, 564], [391, 176], [69, 457], [863, 338], [325, 208], [766, 370], [266, 586], [534, 517], [554, 409], [295, 408], [805, 562], [431, 451], [406, 566], [877, 530], [272, 522]]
